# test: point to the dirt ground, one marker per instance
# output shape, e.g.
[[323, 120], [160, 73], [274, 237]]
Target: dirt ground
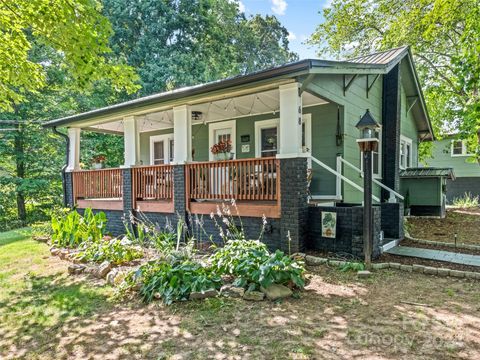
[[464, 222]]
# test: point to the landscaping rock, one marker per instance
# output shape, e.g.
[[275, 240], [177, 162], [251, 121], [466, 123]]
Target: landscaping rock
[[54, 251], [232, 291], [43, 239], [395, 265], [364, 274], [418, 268], [63, 254], [457, 273], [314, 261], [298, 256], [253, 295], [471, 275], [76, 269], [336, 263], [111, 276], [443, 272], [203, 295], [104, 269], [430, 270], [380, 266], [408, 268], [276, 291]]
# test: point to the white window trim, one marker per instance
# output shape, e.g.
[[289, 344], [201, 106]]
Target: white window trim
[[265, 124], [380, 158], [232, 125], [166, 146], [464, 149], [408, 141]]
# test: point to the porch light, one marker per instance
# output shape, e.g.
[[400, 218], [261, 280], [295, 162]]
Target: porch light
[[368, 126], [197, 115]]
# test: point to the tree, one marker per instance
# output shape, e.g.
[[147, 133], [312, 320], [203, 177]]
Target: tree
[[185, 42], [444, 36], [75, 29]]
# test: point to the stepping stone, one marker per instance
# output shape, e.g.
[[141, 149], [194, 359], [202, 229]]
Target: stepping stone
[[438, 255]]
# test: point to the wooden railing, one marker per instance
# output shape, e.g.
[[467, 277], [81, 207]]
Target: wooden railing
[[98, 184], [249, 179], [152, 182]]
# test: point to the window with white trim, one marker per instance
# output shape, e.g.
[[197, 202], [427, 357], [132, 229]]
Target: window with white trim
[[459, 148], [376, 157], [161, 149], [406, 153]]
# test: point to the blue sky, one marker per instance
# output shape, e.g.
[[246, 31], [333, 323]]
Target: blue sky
[[300, 17]]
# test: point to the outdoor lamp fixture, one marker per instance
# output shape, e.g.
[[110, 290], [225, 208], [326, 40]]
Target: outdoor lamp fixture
[[196, 115], [368, 142]]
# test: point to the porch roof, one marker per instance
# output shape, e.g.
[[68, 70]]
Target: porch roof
[[380, 63]]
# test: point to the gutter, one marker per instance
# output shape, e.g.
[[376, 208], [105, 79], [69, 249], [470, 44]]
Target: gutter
[[64, 167]]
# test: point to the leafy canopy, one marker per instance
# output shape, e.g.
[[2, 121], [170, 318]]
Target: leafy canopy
[[444, 36], [75, 29]]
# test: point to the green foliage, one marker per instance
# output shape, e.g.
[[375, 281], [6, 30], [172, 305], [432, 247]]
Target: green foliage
[[352, 266], [41, 229], [253, 266], [115, 251], [74, 28], [70, 228], [176, 280], [445, 40], [466, 201]]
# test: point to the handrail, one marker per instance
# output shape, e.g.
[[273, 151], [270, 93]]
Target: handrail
[[379, 183], [98, 184], [152, 182], [336, 173]]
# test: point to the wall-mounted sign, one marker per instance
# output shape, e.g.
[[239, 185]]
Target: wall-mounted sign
[[329, 224], [245, 138], [246, 148]]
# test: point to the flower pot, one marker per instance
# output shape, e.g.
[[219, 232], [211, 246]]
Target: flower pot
[[222, 156], [97, 166]]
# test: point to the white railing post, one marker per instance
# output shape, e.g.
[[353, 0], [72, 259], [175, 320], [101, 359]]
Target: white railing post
[[182, 134], [74, 151], [338, 182], [131, 137]]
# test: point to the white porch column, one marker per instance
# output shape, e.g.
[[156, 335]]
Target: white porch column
[[182, 134], [290, 120], [74, 151], [131, 137]]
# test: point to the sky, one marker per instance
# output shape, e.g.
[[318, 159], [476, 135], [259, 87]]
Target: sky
[[300, 17]]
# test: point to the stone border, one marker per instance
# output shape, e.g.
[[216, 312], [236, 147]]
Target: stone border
[[429, 270], [440, 243]]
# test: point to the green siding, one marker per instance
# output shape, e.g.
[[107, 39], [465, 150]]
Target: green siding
[[408, 127], [423, 191], [441, 157], [200, 142]]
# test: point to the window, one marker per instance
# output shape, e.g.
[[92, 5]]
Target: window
[[269, 141], [405, 152], [161, 149], [376, 157], [459, 148], [221, 131]]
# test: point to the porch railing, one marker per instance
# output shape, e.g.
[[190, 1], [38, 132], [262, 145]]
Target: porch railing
[[249, 179], [152, 182], [98, 184]]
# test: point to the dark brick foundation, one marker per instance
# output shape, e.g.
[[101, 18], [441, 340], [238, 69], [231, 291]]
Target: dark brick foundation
[[349, 232], [392, 220]]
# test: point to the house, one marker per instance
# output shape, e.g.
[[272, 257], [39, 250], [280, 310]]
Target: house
[[451, 152], [294, 153]]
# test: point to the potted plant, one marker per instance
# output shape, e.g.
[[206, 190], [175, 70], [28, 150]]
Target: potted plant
[[98, 161], [222, 150]]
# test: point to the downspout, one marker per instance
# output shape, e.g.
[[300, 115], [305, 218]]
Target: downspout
[[64, 168]]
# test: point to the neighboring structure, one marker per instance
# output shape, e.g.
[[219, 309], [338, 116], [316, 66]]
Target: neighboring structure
[[451, 152], [280, 122]]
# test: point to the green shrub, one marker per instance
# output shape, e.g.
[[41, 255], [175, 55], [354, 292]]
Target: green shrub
[[466, 201], [115, 251], [69, 228], [253, 266], [174, 281], [41, 229], [352, 266]]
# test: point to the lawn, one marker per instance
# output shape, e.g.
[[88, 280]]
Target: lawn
[[45, 314]]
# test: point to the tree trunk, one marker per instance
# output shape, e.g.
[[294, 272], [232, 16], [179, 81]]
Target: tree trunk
[[20, 173]]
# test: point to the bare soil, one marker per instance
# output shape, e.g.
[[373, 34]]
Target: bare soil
[[463, 222]]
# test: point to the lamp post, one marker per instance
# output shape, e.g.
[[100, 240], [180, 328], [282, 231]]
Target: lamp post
[[368, 143]]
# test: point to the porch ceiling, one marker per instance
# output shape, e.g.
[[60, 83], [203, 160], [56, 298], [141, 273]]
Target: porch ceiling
[[227, 108]]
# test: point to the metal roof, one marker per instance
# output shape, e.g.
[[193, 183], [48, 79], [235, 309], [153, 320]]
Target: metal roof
[[427, 172], [382, 57]]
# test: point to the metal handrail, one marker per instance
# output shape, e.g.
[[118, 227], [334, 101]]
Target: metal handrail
[[338, 175], [391, 191]]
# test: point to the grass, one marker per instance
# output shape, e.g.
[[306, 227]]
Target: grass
[[45, 314]]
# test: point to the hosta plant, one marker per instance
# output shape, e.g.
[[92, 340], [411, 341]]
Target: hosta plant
[[116, 251]]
